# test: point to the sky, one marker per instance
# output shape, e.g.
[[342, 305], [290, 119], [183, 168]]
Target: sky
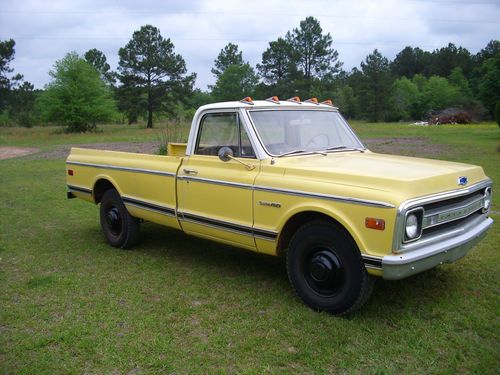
[[44, 31]]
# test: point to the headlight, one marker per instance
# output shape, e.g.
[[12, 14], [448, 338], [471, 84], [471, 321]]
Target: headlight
[[487, 199], [413, 224]]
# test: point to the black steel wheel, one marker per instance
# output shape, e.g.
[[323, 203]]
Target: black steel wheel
[[326, 270], [119, 227]]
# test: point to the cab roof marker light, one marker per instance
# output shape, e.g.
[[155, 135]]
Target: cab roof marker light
[[312, 100], [294, 99], [247, 100], [273, 99], [328, 102]]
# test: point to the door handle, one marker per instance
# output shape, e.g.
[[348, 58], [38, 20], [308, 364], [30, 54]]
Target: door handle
[[190, 171]]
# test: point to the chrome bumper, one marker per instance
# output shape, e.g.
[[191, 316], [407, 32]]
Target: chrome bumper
[[395, 267]]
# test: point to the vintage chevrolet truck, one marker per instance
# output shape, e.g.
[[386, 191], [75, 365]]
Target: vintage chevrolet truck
[[291, 178]]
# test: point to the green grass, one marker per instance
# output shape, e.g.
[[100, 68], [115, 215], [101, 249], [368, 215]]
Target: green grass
[[69, 303]]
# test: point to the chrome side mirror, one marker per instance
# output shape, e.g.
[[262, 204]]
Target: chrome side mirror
[[225, 153]]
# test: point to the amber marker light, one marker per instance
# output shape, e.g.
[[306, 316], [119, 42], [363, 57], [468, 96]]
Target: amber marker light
[[373, 223], [274, 99], [294, 99], [70, 172], [327, 102], [247, 100], [312, 100]]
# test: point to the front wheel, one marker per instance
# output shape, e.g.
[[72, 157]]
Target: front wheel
[[119, 227], [326, 270]]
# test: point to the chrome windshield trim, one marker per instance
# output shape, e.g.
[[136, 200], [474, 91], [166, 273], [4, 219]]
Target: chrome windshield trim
[[325, 196], [118, 168]]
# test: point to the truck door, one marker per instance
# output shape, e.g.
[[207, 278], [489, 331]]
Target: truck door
[[215, 196]]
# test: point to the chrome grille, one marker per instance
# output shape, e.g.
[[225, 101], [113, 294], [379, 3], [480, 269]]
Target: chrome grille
[[443, 214]]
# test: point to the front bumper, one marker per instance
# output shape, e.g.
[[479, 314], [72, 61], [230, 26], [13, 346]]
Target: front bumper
[[395, 267]]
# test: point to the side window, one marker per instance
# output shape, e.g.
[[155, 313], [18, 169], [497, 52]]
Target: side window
[[223, 129]]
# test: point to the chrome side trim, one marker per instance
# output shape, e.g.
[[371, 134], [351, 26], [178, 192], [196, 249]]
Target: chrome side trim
[[325, 196], [126, 169], [164, 210], [79, 189], [215, 182], [372, 262], [229, 227]]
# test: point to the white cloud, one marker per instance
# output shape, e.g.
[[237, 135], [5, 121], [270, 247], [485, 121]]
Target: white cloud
[[46, 30]]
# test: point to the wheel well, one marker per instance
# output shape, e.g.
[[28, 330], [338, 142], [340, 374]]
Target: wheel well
[[100, 188], [296, 221]]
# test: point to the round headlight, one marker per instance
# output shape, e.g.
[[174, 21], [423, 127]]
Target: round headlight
[[487, 199], [411, 226]]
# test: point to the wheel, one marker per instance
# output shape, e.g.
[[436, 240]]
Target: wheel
[[120, 229], [326, 270]]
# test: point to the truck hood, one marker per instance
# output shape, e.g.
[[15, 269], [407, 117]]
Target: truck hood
[[407, 177]]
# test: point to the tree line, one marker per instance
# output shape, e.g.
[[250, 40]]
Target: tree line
[[152, 81]]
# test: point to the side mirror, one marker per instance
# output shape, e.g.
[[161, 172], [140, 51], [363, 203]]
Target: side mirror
[[225, 153]]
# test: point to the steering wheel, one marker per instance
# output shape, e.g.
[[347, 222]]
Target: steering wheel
[[319, 141]]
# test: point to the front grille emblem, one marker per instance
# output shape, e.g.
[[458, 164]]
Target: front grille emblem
[[462, 180]]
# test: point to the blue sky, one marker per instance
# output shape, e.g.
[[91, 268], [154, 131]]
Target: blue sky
[[45, 31]]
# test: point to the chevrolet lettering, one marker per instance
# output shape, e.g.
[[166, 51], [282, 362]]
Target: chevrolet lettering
[[290, 178]]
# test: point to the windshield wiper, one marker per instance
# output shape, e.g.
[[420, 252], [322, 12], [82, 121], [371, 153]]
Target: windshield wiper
[[301, 151], [342, 147], [291, 152]]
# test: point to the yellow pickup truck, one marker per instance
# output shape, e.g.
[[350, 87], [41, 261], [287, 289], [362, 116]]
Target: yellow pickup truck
[[291, 178]]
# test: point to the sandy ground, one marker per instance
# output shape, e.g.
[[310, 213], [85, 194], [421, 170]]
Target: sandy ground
[[398, 146], [12, 152]]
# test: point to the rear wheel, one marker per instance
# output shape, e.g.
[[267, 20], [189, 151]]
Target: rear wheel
[[119, 227], [326, 269]]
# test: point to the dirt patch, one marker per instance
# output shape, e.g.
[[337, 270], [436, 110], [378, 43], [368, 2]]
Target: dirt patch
[[419, 146], [62, 152], [415, 146], [12, 152]]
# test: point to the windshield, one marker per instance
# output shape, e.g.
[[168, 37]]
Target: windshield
[[295, 131]]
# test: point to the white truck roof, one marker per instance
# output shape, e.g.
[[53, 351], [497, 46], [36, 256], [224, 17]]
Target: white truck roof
[[262, 104]]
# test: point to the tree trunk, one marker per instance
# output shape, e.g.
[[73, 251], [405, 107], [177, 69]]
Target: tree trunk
[[150, 109]]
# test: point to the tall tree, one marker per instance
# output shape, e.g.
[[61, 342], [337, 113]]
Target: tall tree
[[98, 60], [276, 62], [236, 82], [22, 104], [7, 53], [76, 96], [410, 61], [376, 84], [229, 55], [149, 65], [489, 83], [445, 59], [312, 50]]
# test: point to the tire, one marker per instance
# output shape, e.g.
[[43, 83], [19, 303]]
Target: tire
[[120, 229], [326, 269]]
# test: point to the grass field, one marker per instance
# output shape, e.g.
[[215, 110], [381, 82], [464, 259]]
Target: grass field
[[69, 303]]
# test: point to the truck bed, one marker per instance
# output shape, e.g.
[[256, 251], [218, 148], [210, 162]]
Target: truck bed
[[151, 196]]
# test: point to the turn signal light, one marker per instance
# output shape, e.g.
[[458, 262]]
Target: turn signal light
[[247, 100], [294, 99], [328, 102], [373, 223]]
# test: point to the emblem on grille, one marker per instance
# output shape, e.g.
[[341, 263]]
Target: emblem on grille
[[462, 180]]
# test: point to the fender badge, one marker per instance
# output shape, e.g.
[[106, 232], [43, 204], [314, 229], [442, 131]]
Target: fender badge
[[270, 204], [462, 180]]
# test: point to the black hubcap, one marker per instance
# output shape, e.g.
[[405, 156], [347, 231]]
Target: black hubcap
[[324, 271], [113, 220]]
